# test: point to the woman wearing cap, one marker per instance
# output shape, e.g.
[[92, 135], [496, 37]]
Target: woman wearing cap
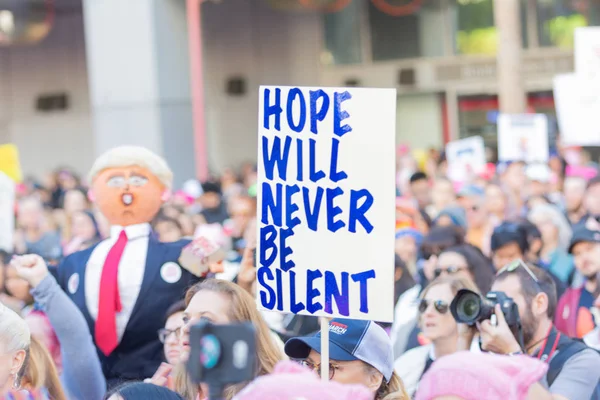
[[438, 326], [471, 376], [360, 352]]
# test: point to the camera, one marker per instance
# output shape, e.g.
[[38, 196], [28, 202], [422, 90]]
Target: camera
[[469, 307], [221, 355]]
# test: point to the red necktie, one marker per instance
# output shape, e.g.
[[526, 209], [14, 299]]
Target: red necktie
[[109, 303]]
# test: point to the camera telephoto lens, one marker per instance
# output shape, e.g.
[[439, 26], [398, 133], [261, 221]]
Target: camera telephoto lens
[[466, 307]]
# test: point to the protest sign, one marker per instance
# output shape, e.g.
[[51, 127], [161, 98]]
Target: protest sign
[[523, 137], [587, 52], [7, 212], [577, 103], [9, 162], [326, 193], [466, 158]]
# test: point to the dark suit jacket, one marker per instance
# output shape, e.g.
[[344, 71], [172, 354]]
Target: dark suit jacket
[[140, 352]]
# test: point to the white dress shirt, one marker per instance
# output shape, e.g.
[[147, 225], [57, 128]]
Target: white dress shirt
[[131, 271]]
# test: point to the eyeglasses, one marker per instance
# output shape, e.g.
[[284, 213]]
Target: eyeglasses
[[164, 334], [317, 367], [511, 267], [451, 270], [440, 306]]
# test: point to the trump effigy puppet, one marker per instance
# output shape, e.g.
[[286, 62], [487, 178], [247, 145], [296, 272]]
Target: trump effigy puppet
[[125, 284]]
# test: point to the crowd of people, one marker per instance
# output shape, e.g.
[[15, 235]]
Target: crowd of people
[[526, 234]]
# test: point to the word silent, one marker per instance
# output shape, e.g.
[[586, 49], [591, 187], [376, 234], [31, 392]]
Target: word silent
[[337, 290]]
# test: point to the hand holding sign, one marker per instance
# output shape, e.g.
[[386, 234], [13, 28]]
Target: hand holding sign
[[466, 159], [198, 256]]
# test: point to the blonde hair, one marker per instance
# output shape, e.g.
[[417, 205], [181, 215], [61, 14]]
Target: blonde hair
[[558, 219], [243, 308], [40, 371], [128, 156], [392, 390]]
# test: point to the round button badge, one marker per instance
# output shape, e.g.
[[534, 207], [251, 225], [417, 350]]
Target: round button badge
[[170, 272]]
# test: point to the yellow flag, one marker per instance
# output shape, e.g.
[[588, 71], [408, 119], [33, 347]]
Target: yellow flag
[[9, 162]]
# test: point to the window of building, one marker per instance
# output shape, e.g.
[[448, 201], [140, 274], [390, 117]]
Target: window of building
[[343, 36], [420, 34], [558, 19], [475, 30]]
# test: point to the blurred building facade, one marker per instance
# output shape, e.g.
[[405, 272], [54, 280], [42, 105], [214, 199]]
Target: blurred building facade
[[124, 68]]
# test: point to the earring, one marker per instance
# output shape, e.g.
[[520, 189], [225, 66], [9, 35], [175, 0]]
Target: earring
[[16, 381]]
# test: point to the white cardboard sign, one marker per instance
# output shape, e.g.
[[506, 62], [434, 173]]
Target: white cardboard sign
[[326, 201], [577, 103], [466, 157], [7, 212], [587, 52], [523, 137]]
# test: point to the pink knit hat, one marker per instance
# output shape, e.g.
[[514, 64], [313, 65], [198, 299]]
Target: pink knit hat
[[477, 376], [291, 381]]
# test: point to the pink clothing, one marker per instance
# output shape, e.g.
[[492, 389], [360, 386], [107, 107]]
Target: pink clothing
[[42, 330], [291, 381], [461, 374]]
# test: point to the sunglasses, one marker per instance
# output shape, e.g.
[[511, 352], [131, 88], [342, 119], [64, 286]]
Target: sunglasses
[[511, 267], [440, 306], [451, 270]]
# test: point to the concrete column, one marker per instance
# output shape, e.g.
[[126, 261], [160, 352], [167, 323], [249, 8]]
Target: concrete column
[[511, 89], [138, 63]]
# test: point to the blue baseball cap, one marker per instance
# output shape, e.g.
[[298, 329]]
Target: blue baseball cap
[[583, 234], [350, 340]]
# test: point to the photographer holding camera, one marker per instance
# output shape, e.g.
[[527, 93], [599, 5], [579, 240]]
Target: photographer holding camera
[[521, 323]]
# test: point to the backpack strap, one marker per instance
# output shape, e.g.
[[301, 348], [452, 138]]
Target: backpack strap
[[558, 361]]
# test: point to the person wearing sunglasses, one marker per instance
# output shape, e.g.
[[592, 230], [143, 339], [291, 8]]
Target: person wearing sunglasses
[[405, 312], [468, 262], [573, 368], [438, 328], [360, 352]]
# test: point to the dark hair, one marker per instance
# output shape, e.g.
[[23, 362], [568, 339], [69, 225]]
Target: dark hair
[[163, 218], [426, 218], [480, 266], [146, 391], [531, 230], [531, 288], [175, 308], [418, 176], [510, 232], [211, 187], [440, 238]]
